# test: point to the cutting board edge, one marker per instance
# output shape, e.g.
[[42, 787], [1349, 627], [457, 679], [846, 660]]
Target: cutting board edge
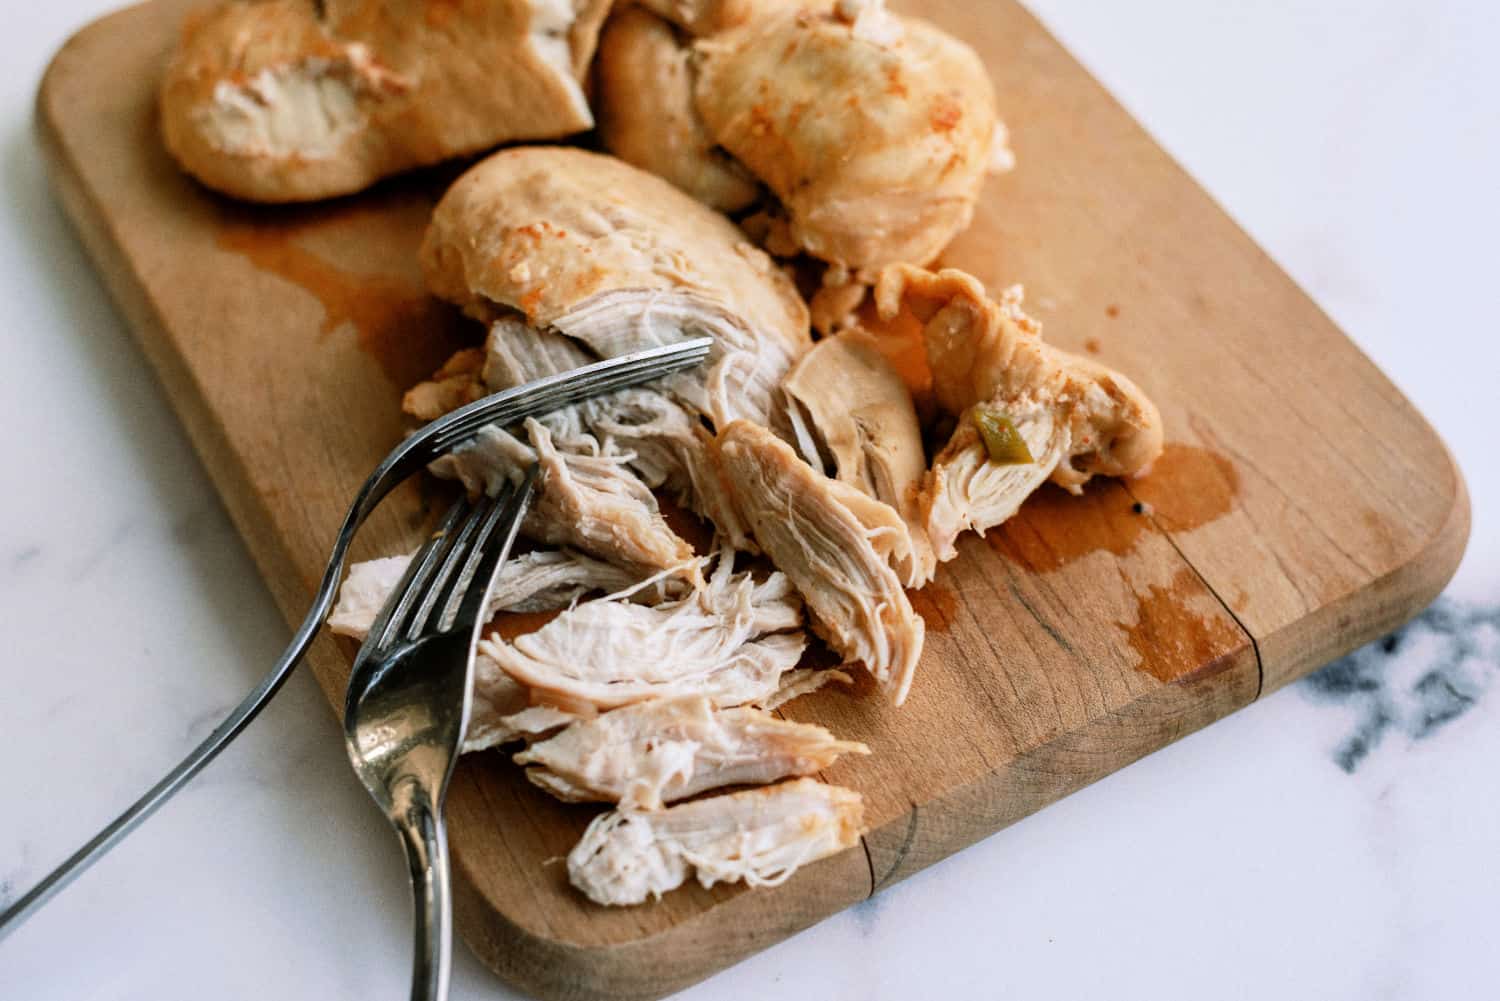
[[1401, 593], [1382, 605]]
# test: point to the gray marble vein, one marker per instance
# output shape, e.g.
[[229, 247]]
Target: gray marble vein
[[1414, 681]]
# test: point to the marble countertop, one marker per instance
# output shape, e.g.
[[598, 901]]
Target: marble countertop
[[1336, 840]]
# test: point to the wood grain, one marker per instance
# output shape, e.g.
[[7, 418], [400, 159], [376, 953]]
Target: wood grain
[[1303, 506]]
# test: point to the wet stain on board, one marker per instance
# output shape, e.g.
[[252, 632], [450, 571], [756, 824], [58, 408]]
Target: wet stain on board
[[1176, 643], [937, 605], [358, 259], [1054, 528], [1186, 488]]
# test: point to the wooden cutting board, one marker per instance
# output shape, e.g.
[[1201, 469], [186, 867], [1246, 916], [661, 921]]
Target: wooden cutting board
[[1302, 507]]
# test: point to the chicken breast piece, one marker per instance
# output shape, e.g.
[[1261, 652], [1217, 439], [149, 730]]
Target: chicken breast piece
[[292, 100], [760, 836], [802, 681], [873, 130], [836, 545], [490, 728], [729, 640], [850, 415], [656, 752], [618, 259], [640, 55], [1077, 418], [704, 17], [609, 452], [497, 708], [538, 581]]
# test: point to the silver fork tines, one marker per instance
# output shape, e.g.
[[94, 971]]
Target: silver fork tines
[[408, 702], [411, 456]]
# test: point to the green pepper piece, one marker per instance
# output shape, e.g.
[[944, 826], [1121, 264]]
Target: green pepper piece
[[1001, 439]]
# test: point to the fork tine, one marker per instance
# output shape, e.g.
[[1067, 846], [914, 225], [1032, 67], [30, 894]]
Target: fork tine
[[566, 388], [413, 583], [430, 613], [492, 550]]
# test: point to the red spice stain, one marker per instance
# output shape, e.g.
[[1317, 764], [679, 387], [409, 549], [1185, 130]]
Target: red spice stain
[[1054, 528], [507, 626], [1177, 644], [1111, 311], [937, 605], [1091, 345], [326, 251], [946, 114], [1187, 487], [894, 85]]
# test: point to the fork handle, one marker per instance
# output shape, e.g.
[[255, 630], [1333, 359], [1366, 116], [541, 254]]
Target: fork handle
[[424, 835]]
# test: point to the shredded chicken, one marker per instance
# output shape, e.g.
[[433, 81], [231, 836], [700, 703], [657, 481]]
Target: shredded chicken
[[837, 546], [728, 639], [800, 682], [489, 727], [851, 416], [1078, 417], [552, 250], [760, 836], [656, 752], [493, 714], [539, 581]]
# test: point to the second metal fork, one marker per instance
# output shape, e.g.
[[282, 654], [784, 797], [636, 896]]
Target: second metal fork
[[408, 703]]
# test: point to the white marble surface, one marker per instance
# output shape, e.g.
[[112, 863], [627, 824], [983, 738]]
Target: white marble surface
[[1269, 856]]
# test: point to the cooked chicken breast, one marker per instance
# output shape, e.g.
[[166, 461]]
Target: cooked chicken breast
[[850, 415], [872, 131], [497, 712], [489, 727], [704, 17], [656, 752], [802, 681], [539, 581], [620, 260], [642, 57], [836, 545], [292, 100], [571, 256], [760, 836], [730, 640], [991, 369]]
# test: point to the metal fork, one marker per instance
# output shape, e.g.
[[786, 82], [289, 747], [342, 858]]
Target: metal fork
[[413, 454], [408, 703]]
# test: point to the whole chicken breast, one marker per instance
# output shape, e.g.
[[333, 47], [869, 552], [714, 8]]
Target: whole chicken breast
[[297, 100], [618, 259], [656, 752], [838, 547], [873, 130], [760, 836], [990, 368]]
